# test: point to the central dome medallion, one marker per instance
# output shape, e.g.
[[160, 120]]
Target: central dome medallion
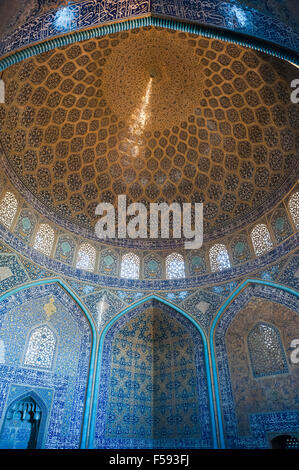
[[153, 77]]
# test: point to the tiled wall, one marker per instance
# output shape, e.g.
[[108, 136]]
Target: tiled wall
[[153, 386], [61, 388], [253, 407]]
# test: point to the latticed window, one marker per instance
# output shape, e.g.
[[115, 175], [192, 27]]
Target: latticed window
[[130, 265], [261, 239], [41, 348], [219, 258], [44, 239], [175, 266], [86, 257], [8, 209], [294, 208], [265, 349]]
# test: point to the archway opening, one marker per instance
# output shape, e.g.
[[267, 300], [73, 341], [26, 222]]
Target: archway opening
[[285, 441], [21, 427], [153, 389]]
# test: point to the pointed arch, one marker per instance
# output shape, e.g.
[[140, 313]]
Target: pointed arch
[[92, 327], [206, 360], [31, 393], [215, 322], [44, 414]]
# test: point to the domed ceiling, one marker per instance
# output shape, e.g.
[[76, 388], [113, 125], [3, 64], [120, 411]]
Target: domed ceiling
[[153, 114]]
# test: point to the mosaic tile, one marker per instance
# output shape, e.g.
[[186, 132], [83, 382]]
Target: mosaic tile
[[12, 272], [61, 390], [253, 18], [128, 356], [237, 397], [103, 306]]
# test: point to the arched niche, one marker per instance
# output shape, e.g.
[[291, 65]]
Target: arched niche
[[253, 407], [285, 441], [153, 387], [66, 386]]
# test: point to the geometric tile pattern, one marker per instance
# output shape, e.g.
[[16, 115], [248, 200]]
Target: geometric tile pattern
[[266, 351], [104, 304], [65, 383], [153, 387], [245, 399], [74, 136], [233, 150]]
